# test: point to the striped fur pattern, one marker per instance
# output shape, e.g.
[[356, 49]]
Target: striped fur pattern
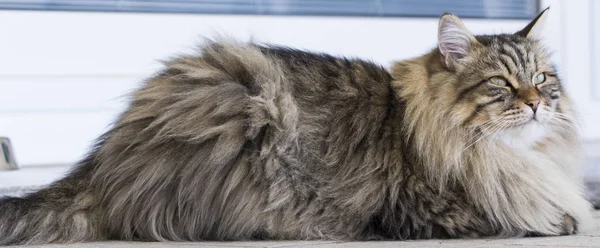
[[247, 141]]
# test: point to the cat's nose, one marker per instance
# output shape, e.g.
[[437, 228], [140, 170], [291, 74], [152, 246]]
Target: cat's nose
[[533, 103]]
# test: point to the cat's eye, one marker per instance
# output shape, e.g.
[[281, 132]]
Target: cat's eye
[[499, 81], [540, 78]]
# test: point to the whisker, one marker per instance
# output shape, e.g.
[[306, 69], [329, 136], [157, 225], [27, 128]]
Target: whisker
[[490, 131], [498, 130], [560, 122], [566, 118]]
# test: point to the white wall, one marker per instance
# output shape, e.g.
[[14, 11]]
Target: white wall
[[64, 75], [577, 48]]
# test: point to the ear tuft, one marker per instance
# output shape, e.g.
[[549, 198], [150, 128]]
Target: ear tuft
[[534, 29], [454, 40]]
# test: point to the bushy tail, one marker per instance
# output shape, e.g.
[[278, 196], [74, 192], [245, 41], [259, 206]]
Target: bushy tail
[[60, 213]]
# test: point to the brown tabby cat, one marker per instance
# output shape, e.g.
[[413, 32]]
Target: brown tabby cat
[[244, 141]]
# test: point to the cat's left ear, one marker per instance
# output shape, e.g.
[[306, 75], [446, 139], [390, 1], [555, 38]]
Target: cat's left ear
[[455, 42], [533, 30]]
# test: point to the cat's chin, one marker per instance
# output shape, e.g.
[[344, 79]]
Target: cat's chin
[[523, 136]]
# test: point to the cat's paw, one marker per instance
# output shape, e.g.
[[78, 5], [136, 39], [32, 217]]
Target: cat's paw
[[568, 225]]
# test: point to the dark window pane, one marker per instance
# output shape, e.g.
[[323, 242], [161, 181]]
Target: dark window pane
[[514, 9]]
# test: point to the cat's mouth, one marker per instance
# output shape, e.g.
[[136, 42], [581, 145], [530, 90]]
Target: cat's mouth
[[528, 124], [533, 118], [520, 120]]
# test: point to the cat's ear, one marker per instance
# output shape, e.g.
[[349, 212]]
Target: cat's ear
[[533, 30], [455, 41]]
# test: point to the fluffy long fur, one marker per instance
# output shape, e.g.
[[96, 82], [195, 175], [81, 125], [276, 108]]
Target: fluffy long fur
[[246, 141]]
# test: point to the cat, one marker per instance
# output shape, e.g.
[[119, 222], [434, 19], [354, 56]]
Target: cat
[[243, 141]]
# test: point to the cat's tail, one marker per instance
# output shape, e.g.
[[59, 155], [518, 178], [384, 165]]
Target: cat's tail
[[60, 213]]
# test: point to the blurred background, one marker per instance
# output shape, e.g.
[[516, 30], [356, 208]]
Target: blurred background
[[66, 66]]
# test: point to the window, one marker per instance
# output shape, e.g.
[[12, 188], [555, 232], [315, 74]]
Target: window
[[507, 9]]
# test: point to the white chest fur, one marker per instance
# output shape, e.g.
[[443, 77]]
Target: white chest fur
[[523, 137], [535, 190]]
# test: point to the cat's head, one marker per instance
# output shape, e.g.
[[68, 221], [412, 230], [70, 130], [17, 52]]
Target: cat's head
[[504, 83]]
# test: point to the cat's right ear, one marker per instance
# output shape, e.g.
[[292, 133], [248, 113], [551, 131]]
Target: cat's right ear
[[534, 29], [454, 41]]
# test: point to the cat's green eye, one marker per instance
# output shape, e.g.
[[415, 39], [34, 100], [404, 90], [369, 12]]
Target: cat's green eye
[[540, 78], [499, 81]]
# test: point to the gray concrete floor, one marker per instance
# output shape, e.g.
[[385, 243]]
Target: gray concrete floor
[[590, 239]]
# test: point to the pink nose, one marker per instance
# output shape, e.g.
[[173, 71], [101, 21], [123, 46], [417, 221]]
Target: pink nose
[[533, 103]]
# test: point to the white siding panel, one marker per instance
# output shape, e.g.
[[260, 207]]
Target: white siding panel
[[26, 94], [53, 137]]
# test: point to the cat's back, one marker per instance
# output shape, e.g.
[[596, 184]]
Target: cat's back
[[328, 76], [265, 67], [265, 97], [293, 90]]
